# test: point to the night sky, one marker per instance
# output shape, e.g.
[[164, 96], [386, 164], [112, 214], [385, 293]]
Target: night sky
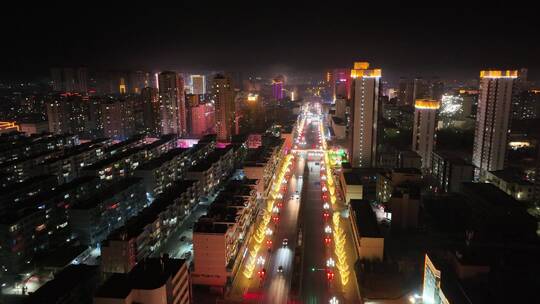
[[445, 42]]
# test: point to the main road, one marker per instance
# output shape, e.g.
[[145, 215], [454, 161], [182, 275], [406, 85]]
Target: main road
[[274, 285], [275, 258]]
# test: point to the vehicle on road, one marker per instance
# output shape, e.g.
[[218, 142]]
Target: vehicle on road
[[183, 238], [285, 242], [280, 269]]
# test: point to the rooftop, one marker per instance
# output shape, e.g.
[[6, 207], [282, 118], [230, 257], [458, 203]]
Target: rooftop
[[210, 159], [452, 157], [65, 281], [407, 171], [366, 221], [338, 121], [31, 204], [107, 193], [148, 274], [359, 175], [166, 157], [129, 141], [116, 157], [210, 227], [512, 176]]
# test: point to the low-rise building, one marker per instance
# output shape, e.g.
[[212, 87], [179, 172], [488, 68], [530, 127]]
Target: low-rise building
[[404, 206], [339, 126], [122, 146], [409, 159], [68, 165], [36, 127], [512, 183], [13, 147], [388, 180], [159, 173], [219, 237], [142, 235], [213, 170], [93, 219], [261, 163], [368, 240], [359, 183], [156, 280], [119, 165], [73, 285], [450, 171], [40, 222]]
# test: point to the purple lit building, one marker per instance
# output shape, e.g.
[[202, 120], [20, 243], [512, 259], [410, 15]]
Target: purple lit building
[[277, 87]]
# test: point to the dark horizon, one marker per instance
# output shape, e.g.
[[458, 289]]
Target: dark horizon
[[444, 42]]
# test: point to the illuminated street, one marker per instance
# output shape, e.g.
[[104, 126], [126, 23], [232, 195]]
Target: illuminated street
[[282, 226], [327, 271], [270, 279]]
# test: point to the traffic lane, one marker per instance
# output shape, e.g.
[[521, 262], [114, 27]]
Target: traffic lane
[[285, 228], [314, 283], [277, 288], [277, 284]]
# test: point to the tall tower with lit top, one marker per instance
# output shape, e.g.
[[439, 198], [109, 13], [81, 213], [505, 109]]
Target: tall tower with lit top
[[365, 92], [492, 119]]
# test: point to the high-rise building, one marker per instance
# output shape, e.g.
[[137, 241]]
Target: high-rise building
[[118, 119], [365, 91], [67, 113], [198, 84], [492, 119], [56, 77], [278, 85], [425, 122], [172, 103], [524, 102], [223, 96], [341, 107], [201, 119], [81, 84], [139, 80], [437, 89], [340, 83], [421, 89], [70, 80], [150, 111], [405, 92]]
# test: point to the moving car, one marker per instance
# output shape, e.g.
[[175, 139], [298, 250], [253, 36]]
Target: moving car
[[280, 269], [285, 242]]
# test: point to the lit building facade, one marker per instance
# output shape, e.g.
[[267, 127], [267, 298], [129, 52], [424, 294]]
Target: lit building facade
[[118, 119], [150, 111], [278, 86], [365, 92], [198, 84], [425, 122], [223, 96], [492, 119], [172, 103], [202, 119]]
